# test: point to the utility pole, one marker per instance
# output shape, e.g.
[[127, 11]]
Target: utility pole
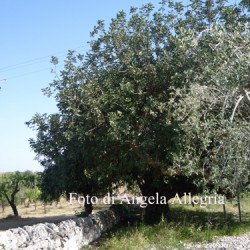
[[2, 80]]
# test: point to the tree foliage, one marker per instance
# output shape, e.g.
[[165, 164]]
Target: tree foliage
[[149, 102]]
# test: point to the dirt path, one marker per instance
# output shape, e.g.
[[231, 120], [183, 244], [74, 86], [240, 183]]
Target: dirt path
[[13, 222]]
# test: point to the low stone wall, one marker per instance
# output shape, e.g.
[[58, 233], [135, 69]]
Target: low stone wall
[[70, 234]]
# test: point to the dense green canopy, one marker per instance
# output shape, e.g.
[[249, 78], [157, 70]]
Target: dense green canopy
[[154, 101]]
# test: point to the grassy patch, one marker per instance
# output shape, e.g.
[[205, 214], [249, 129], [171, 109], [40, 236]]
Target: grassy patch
[[187, 224]]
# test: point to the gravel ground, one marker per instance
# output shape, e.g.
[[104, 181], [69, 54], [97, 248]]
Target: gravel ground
[[241, 242]]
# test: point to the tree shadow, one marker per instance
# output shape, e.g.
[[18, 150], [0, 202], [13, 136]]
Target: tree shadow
[[16, 221]]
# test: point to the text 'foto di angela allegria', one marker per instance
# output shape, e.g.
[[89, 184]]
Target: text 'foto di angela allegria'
[[144, 201]]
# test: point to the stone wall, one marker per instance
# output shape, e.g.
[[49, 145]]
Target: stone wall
[[70, 234]]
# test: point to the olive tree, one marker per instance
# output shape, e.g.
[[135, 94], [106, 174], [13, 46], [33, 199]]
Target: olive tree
[[214, 114], [11, 183]]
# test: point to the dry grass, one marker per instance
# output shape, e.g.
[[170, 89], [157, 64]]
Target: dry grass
[[61, 208], [54, 212]]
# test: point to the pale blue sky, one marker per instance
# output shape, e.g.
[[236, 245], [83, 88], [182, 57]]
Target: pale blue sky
[[31, 32]]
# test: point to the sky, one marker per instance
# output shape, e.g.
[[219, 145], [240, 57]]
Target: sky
[[30, 33]]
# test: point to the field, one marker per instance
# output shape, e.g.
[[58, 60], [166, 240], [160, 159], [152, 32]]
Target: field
[[187, 224]]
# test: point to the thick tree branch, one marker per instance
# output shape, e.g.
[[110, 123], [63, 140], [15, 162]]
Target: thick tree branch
[[7, 198], [15, 191], [236, 105]]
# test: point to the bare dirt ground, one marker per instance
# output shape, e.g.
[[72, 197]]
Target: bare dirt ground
[[52, 213]]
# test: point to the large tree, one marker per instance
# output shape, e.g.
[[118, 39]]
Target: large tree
[[121, 104]]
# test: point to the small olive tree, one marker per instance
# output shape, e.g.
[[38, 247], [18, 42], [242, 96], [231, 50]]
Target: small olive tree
[[12, 183]]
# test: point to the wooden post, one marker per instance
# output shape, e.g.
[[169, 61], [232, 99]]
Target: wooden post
[[224, 212], [239, 209]]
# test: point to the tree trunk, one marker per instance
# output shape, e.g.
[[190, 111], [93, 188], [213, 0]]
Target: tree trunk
[[152, 189], [157, 188], [11, 200], [88, 206], [155, 213], [14, 208]]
